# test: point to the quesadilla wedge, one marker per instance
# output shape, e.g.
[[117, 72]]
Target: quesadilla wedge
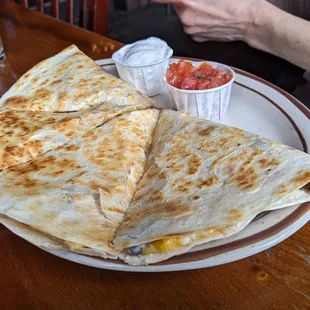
[[69, 81], [27, 134], [77, 194], [205, 181]]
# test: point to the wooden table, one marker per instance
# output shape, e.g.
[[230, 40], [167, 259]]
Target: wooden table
[[32, 279]]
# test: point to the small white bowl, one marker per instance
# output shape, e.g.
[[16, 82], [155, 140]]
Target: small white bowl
[[210, 104], [148, 79]]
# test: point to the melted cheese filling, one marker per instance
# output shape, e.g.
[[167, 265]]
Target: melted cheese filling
[[73, 246], [166, 245], [162, 246]]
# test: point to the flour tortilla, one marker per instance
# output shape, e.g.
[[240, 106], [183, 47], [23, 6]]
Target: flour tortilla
[[69, 81], [27, 134], [207, 181], [79, 192], [48, 242]]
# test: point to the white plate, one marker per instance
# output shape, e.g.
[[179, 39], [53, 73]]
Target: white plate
[[262, 108]]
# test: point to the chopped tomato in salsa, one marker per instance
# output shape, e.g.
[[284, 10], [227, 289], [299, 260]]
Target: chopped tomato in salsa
[[184, 75]]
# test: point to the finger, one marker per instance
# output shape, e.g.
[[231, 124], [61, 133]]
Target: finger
[[194, 31], [201, 39]]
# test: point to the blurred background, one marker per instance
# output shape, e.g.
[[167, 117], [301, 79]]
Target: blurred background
[[131, 20]]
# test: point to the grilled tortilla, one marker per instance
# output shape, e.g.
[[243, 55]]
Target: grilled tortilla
[[68, 179], [69, 81], [27, 134], [205, 181], [78, 193]]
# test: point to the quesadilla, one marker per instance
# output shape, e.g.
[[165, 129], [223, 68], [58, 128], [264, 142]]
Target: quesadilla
[[27, 134], [88, 165], [77, 194], [69, 81], [205, 181]]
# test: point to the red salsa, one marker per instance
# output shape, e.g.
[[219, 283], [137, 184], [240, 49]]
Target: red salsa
[[184, 75]]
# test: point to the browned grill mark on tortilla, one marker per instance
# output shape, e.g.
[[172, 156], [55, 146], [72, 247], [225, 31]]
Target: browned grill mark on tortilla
[[42, 94], [251, 159], [65, 124], [63, 67], [238, 158], [28, 183], [246, 178], [63, 95], [211, 181], [235, 215], [283, 190], [173, 208], [157, 196], [223, 142], [56, 82], [266, 164], [176, 168], [35, 145], [44, 83], [205, 145], [114, 210], [207, 131], [182, 181], [162, 176], [90, 134], [70, 134], [233, 131], [54, 164], [151, 174], [214, 151], [183, 189], [15, 101], [71, 147], [194, 164], [13, 150], [302, 178]]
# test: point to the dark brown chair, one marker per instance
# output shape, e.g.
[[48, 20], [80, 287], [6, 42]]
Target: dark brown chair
[[93, 13]]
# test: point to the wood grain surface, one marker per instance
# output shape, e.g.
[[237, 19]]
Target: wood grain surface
[[32, 279], [29, 37]]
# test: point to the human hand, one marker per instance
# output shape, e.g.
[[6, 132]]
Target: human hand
[[220, 20]]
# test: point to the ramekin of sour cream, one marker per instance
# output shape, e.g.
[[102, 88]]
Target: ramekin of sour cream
[[144, 64]]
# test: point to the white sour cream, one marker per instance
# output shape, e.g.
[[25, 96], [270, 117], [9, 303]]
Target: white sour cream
[[144, 52]]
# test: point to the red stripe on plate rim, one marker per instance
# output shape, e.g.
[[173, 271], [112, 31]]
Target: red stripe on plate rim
[[271, 231]]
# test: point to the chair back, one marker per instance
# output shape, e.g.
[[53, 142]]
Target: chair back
[[93, 14]]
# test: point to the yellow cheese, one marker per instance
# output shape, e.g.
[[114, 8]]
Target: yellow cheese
[[166, 245], [162, 246], [74, 246], [149, 250]]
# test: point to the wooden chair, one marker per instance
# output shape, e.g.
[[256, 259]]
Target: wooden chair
[[98, 11]]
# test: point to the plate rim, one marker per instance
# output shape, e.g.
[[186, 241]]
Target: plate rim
[[272, 235], [217, 260], [278, 227]]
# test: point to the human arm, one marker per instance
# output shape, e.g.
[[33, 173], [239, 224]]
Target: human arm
[[256, 22], [282, 34]]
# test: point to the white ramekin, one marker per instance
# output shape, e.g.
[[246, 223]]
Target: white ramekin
[[210, 104], [148, 79]]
